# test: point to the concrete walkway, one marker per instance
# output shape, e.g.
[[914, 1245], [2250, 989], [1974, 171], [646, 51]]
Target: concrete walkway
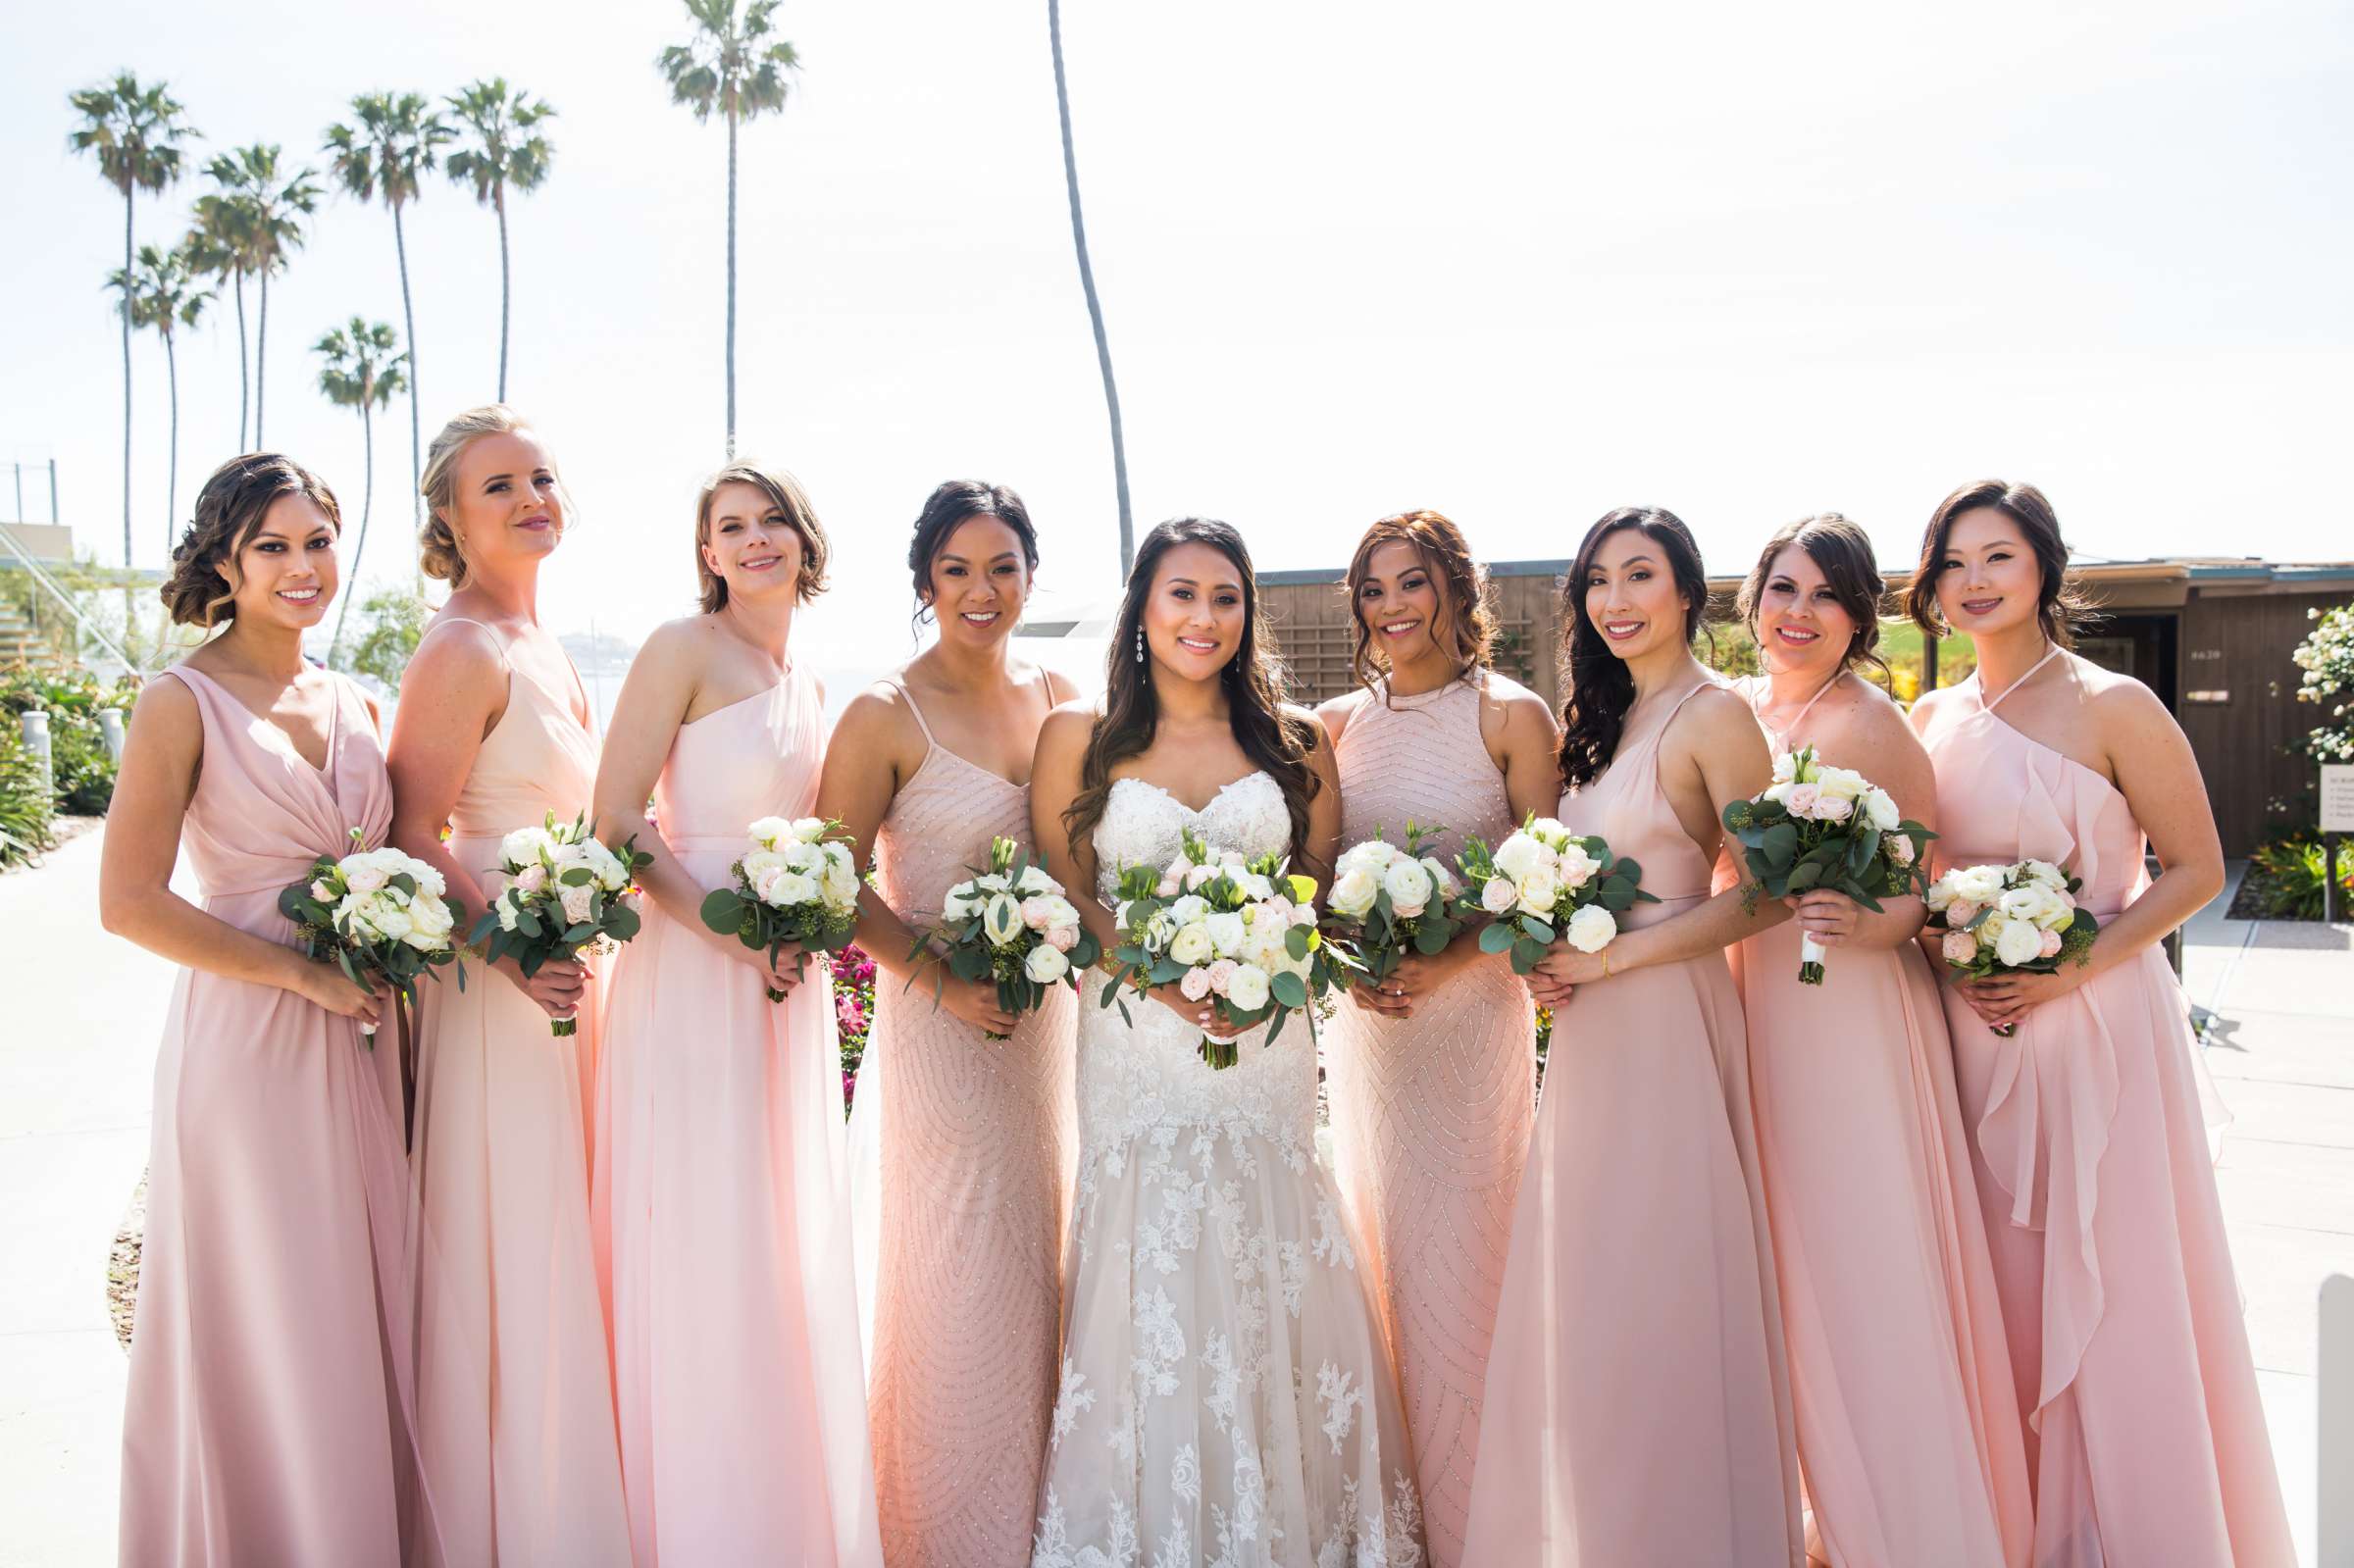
[[81, 1013]]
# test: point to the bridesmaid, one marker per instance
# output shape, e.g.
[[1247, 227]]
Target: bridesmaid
[[734, 1321], [492, 733], [928, 767], [1433, 1081], [2144, 1434], [1908, 1430], [262, 1391], [1637, 1408]]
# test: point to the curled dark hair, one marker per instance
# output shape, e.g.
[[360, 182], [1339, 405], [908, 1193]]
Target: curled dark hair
[[1600, 688], [201, 587], [2060, 603], [1271, 738], [1842, 551], [786, 494], [945, 510], [1466, 627]]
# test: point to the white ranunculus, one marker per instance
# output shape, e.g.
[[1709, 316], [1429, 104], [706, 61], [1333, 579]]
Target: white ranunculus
[[1354, 892], [2043, 871], [1498, 894], [1538, 889], [1880, 806], [526, 846], [1002, 919], [1409, 886], [1188, 910], [1978, 884], [1046, 964], [1518, 852], [1591, 929], [1226, 931], [770, 831], [1247, 992], [1191, 944], [790, 888], [2020, 941]]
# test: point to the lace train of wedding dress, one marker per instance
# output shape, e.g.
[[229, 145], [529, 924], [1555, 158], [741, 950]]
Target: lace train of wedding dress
[[1225, 1397]]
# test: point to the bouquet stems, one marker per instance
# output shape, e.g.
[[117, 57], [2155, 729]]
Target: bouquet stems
[[1809, 961], [1218, 1053]]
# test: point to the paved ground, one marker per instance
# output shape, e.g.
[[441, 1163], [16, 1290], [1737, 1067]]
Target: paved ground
[[79, 1013]]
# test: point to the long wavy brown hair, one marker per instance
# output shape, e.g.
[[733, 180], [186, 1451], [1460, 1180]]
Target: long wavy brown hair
[[1466, 627], [1273, 741]]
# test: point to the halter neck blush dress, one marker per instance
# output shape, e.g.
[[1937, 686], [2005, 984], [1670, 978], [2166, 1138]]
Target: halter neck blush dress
[[975, 1145], [1908, 1426], [2144, 1434], [265, 1421], [1431, 1114], [735, 1320], [523, 1397], [1637, 1407]]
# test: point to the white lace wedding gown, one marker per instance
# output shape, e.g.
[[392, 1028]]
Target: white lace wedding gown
[[1225, 1394]]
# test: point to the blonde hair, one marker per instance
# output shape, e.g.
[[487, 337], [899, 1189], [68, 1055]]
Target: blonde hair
[[784, 493], [439, 555]]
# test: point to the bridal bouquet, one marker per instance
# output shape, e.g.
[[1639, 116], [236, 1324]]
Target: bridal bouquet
[[1388, 900], [376, 912], [566, 893], [1816, 826], [1545, 885], [1221, 927], [2022, 917], [797, 882], [1012, 924]]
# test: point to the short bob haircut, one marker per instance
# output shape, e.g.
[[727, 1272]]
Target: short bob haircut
[[1466, 627], [784, 493], [2060, 604], [1842, 551]]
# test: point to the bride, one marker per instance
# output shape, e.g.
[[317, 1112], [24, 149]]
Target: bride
[[1225, 1397]]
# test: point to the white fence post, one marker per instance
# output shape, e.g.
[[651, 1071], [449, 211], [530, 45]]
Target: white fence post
[[35, 724], [2334, 1452]]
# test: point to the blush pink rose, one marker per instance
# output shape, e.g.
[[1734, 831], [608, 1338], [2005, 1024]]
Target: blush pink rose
[[1960, 948], [1830, 808], [1194, 983], [1062, 938], [1221, 975], [1803, 799], [1899, 847], [1166, 888], [1037, 911], [530, 879], [1960, 913], [2051, 944], [1498, 894]]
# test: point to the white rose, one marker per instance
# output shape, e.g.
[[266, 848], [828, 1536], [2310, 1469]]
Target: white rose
[[526, 846], [1577, 868], [612, 874], [1779, 791], [1940, 895], [426, 942], [1498, 894], [1192, 907], [576, 901], [1036, 880], [1445, 880], [430, 916], [390, 920], [1409, 887], [1841, 784], [1978, 884], [1002, 919], [1354, 892], [805, 858], [2043, 871], [793, 887], [507, 911], [959, 903], [1227, 929], [1591, 929], [1786, 767], [1247, 992], [2019, 942], [1201, 876], [1833, 808], [770, 831], [809, 830], [363, 878], [760, 862], [1880, 806], [1550, 833], [837, 858], [1517, 853], [1538, 889], [992, 883], [1046, 964], [1191, 944], [1373, 857]]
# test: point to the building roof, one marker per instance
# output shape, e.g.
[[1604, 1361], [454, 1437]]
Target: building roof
[[2237, 573]]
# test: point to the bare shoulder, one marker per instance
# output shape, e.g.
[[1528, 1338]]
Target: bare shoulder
[[1715, 716], [1066, 731], [876, 716], [1521, 705], [455, 652], [1926, 707], [165, 707], [2123, 708], [1873, 719], [1334, 713]]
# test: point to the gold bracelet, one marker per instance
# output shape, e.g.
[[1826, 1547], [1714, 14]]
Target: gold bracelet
[[1605, 963]]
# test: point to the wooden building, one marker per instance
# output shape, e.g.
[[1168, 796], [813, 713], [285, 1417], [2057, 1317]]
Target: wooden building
[[2210, 636]]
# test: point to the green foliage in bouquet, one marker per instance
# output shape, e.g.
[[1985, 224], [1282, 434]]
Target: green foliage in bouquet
[[823, 922], [1380, 936], [1614, 885], [398, 961], [985, 944], [1789, 853], [536, 928]]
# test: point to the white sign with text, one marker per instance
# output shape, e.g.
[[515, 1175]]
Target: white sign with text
[[2337, 798]]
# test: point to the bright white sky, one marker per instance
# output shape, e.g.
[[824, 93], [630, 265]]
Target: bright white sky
[[1521, 264]]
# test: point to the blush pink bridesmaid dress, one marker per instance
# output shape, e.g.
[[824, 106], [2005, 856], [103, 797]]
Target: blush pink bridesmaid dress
[[517, 1404], [1637, 1407], [975, 1177], [734, 1315], [1431, 1114], [265, 1420], [1908, 1427], [2144, 1434]]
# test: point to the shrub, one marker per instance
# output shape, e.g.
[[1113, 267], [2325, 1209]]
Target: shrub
[[81, 766], [26, 807], [2326, 656], [391, 625], [2291, 875], [854, 1011]]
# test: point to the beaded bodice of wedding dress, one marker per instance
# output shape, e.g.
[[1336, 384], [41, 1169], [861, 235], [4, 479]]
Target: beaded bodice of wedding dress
[[1225, 1397]]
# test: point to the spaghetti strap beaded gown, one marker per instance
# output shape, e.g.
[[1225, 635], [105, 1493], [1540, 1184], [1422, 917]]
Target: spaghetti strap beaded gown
[[1908, 1426], [2145, 1436], [735, 1321], [264, 1422], [502, 1156], [1637, 1408], [975, 1147], [1431, 1114]]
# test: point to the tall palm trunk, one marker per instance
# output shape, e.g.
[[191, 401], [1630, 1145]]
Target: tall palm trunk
[[1087, 282], [351, 587], [261, 361], [498, 200], [127, 203], [408, 321], [244, 381], [172, 469], [730, 287]]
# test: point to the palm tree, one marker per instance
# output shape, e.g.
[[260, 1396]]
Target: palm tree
[[733, 67], [388, 154], [162, 292], [502, 155], [274, 206], [216, 247], [1087, 282], [135, 132], [361, 368]]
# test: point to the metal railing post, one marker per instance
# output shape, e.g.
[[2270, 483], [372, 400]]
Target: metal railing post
[[35, 727]]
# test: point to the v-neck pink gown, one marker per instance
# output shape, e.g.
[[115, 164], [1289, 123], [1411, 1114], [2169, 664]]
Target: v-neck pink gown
[[975, 1177], [2145, 1436], [516, 1405], [1637, 1409], [1431, 1114], [264, 1421], [734, 1316], [1908, 1426]]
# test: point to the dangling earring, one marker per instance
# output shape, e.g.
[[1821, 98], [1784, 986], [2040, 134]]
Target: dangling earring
[[1140, 644]]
